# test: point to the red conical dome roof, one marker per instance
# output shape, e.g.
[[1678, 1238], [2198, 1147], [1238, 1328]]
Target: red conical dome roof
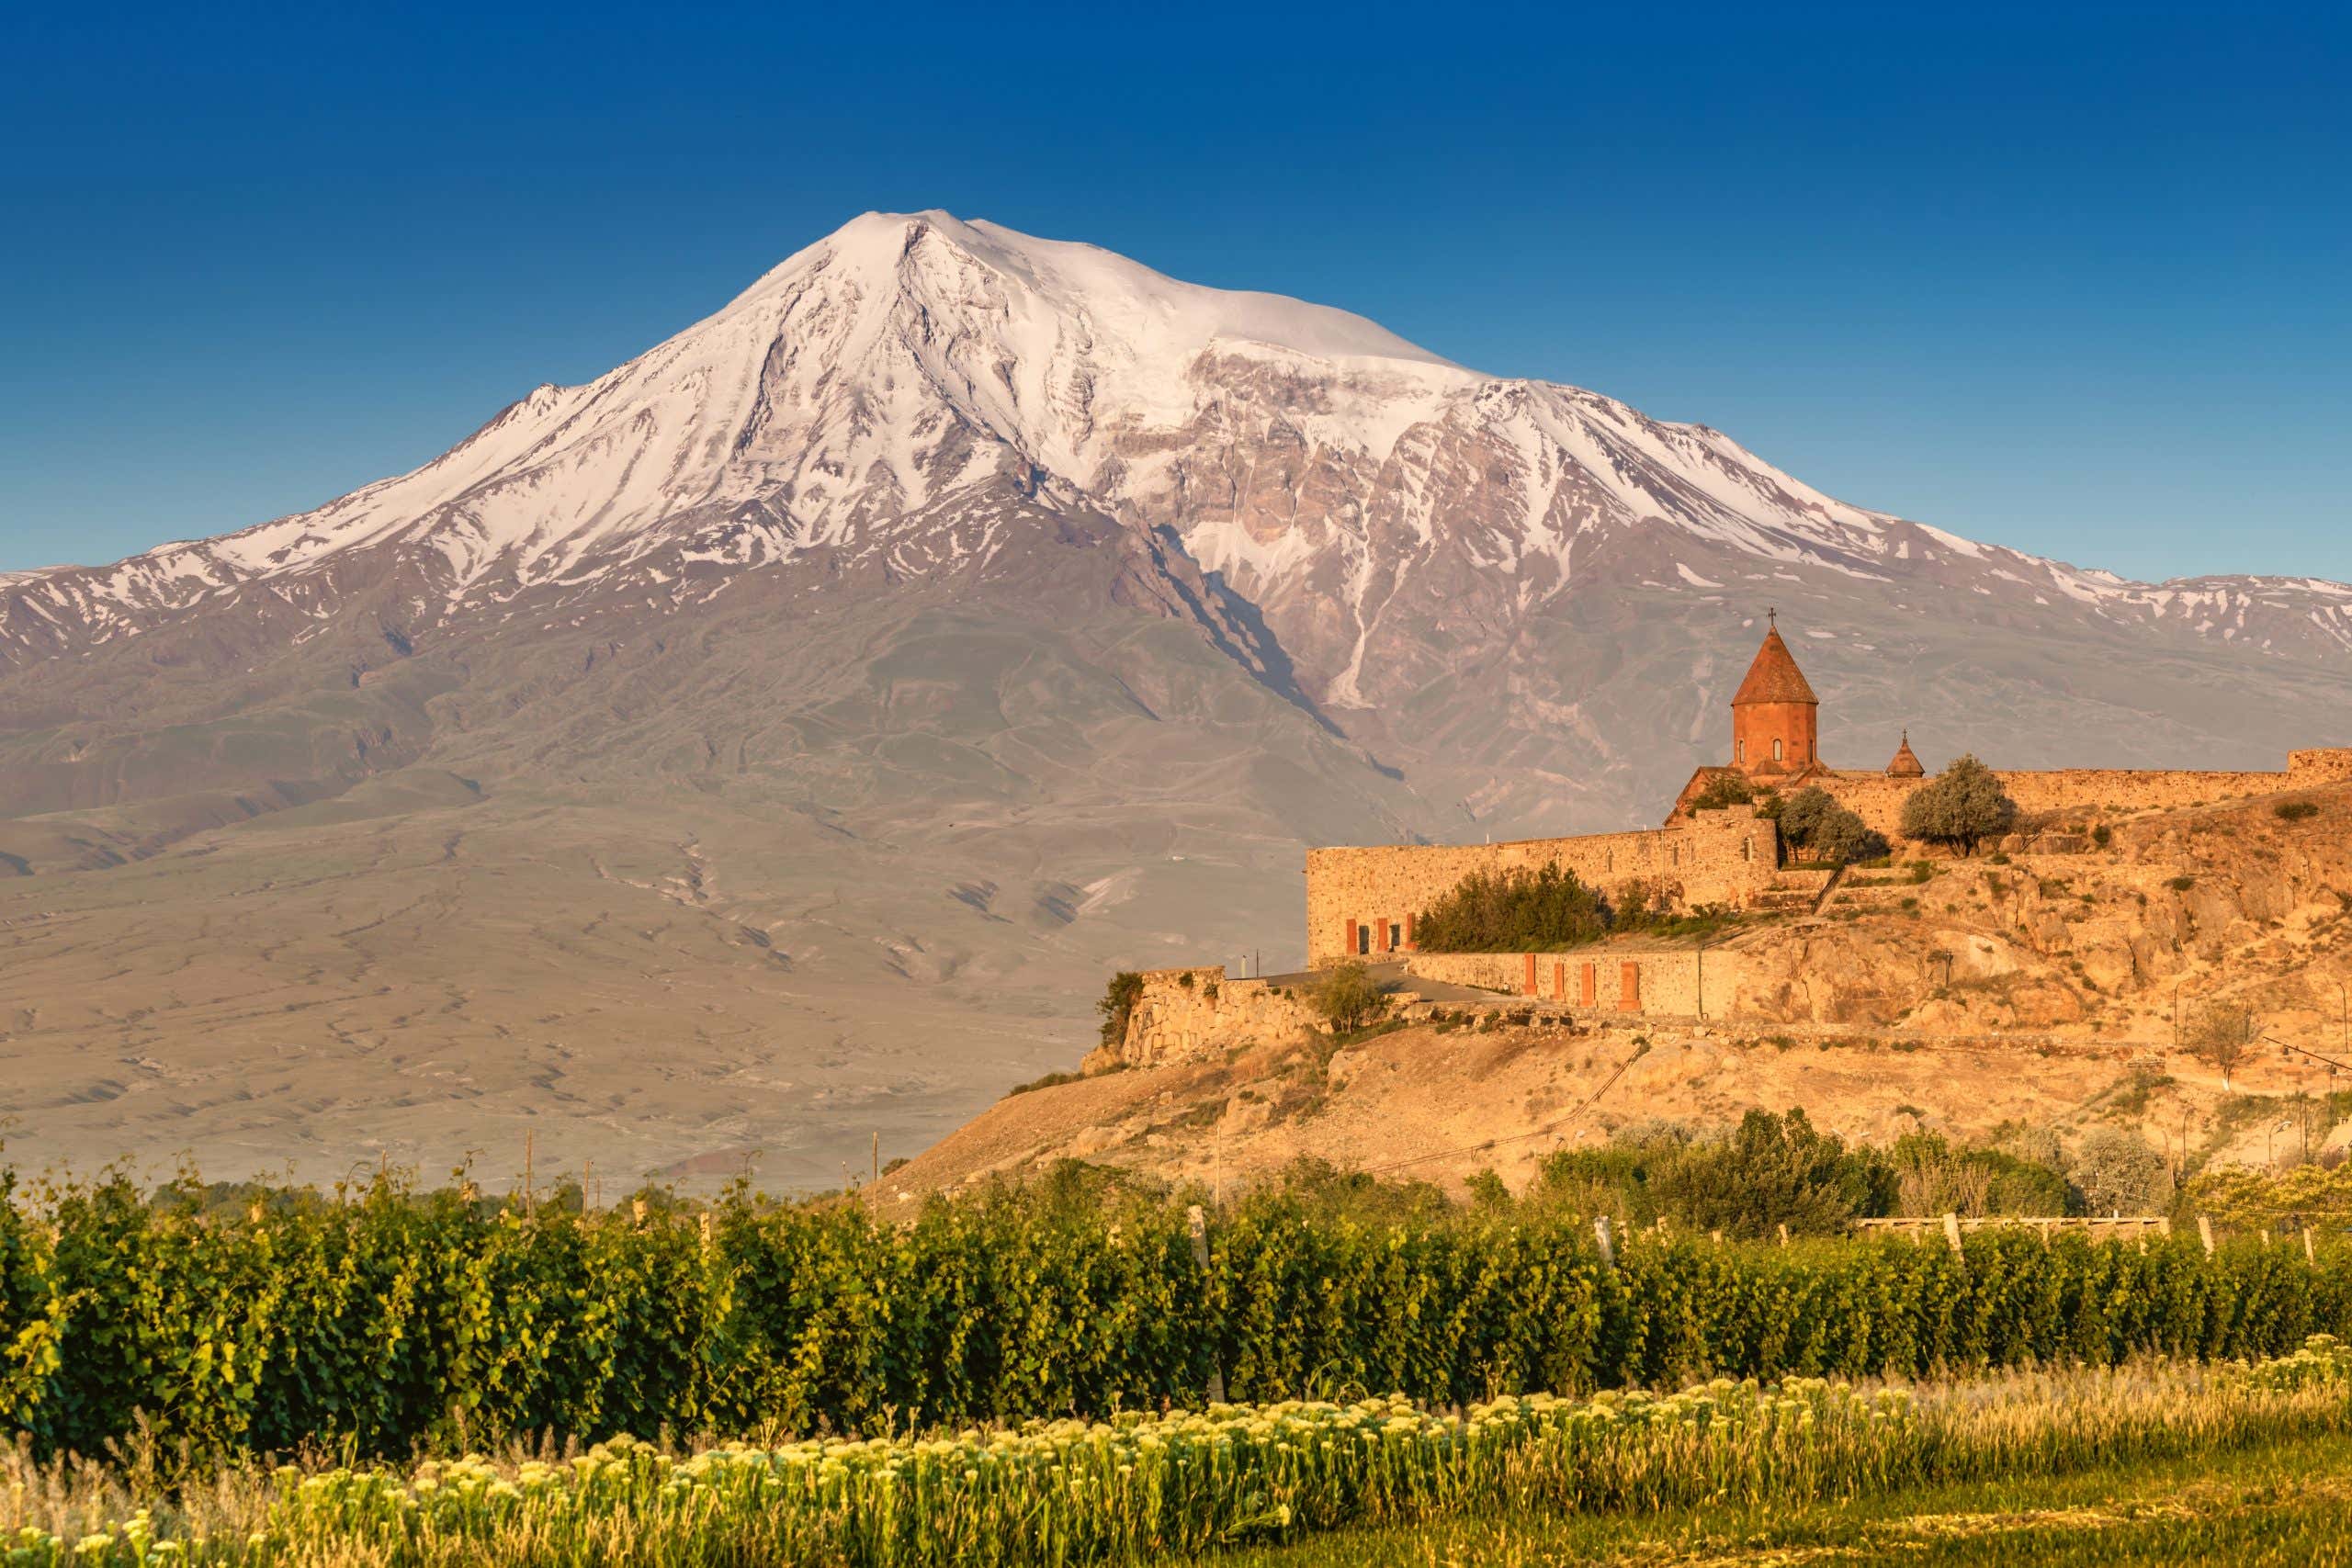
[[1906, 762], [1774, 677]]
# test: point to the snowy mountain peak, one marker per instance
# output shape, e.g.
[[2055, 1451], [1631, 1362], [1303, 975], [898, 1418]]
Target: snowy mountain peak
[[909, 366]]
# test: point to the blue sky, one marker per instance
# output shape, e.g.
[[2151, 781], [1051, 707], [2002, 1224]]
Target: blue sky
[[2070, 279]]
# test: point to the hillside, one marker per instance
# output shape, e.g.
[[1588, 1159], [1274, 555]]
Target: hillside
[[772, 742], [2055, 1012]]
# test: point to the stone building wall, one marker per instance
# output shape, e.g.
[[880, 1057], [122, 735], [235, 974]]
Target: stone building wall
[[1878, 799], [1678, 982], [1362, 902], [1188, 1014]]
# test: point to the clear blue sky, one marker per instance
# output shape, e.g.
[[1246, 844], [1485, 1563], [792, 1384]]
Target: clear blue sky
[[2077, 279]]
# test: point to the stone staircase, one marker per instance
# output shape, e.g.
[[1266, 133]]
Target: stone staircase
[[1800, 889]]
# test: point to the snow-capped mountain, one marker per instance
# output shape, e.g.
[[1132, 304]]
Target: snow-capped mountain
[[865, 393], [817, 702]]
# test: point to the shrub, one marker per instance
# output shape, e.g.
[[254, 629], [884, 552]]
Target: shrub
[[2115, 1172], [1935, 1177], [1051, 1080], [2304, 1194], [1963, 806], [1725, 789], [1347, 998], [2225, 1034], [1118, 1005], [2181, 884], [1548, 909], [1513, 912], [2296, 810], [1814, 822], [1772, 1170]]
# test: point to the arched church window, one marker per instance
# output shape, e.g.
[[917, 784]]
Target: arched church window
[[1739, 751], [1776, 750]]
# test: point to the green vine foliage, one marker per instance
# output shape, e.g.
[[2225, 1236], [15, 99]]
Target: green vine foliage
[[397, 1318]]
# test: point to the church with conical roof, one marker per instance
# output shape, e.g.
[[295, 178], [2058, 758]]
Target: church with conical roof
[[1776, 732], [1775, 717], [1721, 847]]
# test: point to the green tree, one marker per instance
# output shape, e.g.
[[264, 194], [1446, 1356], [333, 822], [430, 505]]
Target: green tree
[[2116, 1172], [2225, 1034], [1771, 1172], [1347, 998], [1813, 821], [1963, 806], [1513, 912], [1727, 788], [1934, 1176], [1118, 1005]]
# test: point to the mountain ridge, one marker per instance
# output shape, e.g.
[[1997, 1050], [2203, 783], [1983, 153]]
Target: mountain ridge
[[1055, 407]]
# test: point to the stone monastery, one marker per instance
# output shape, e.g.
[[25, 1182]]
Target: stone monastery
[[1362, 902]]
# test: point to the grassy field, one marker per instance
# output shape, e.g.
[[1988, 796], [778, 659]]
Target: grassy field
[[2221, 1463], [2278, 1503]]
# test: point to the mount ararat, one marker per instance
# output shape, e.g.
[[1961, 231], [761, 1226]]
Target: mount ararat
[[775, 739]]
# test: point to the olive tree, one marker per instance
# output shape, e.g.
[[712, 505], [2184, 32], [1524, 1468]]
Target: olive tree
[[1811, 821], [1964, 805]]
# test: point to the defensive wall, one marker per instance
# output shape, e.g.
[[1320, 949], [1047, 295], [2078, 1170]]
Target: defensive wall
[[1878, 799], [1196, 1014], [1185, 1014], [1363, 902], [1678, 982]]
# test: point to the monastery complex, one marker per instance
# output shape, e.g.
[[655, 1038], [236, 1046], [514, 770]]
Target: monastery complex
[[1363, 902], [1360, 902]]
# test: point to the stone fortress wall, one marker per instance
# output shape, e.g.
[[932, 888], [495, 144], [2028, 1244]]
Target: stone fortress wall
[[1188, 1014], [1878, 799], [1691, 981], [1362, 902]]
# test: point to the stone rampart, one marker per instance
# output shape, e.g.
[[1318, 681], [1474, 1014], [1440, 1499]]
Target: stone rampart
[[1878, 799], [1363, 902], [1667, 982], [1189, 1014]]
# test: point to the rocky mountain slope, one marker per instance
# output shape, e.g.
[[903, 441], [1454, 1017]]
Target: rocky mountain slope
[[952, 614]]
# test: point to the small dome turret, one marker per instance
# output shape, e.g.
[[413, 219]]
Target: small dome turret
[[1906, 762]]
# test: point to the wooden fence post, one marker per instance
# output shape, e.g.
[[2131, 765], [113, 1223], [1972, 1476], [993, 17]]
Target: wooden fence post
[[1951, 1233], [1196, 1223], [2311, 1254], [1784, 1233], [2205, 1233], [1608, 1247]]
